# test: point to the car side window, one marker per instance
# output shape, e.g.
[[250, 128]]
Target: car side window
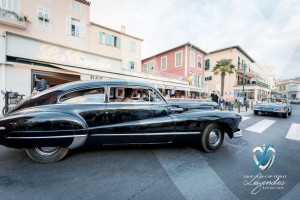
[[133, 94], [94, 95]]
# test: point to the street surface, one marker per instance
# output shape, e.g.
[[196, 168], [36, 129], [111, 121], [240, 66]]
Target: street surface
[[165, 171]]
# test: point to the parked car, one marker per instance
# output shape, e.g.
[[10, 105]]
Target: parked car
[[93, 112], [273, 106], [295, 101]]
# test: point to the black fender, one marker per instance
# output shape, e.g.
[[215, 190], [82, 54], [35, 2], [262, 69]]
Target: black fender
[[28, 130]]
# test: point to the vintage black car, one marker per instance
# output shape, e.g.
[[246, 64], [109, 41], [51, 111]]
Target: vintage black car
[[82, 113]]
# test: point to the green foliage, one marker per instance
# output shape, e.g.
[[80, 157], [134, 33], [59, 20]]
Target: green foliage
[[223, 66]]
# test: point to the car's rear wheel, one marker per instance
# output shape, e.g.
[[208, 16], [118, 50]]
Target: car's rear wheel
[[47, 154], [255, 112], [212, 138], [290, 113]]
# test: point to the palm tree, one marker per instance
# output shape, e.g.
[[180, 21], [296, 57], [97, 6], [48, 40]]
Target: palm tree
[[223, 67]]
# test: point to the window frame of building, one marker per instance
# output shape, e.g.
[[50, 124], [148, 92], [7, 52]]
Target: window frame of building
[[132, 46], [145, 67], [45, 22], [151, 68], [207, 64], [109, 39], [132, 65], [11, 5], [164, 65], [69, 27], [192, 58], [76, 6], [199, 61], [178, 64]]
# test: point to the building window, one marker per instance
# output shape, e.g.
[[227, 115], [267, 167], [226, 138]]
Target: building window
[[199, 62], [132, 46], [108, 39], [164, 63], [151, 67], [208, 78], [192, 59], [43, 17], [207, 64], [239, 62], [131, 65], [75, 27], [178, 59], [145, 67], [76, 6], [12, 5]]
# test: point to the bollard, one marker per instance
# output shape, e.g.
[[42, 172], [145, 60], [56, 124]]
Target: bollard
[[246, 105], [251, 105], [239, 107]]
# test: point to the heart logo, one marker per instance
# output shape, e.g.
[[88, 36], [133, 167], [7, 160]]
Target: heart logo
[[266, 156]]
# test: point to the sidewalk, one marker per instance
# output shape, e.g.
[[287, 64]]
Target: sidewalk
[[243, 111]]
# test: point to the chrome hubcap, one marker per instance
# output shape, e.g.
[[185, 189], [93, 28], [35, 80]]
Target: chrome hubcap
[[46, 151], [214, 137]]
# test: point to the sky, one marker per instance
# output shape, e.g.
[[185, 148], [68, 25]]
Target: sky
[[268, 30]]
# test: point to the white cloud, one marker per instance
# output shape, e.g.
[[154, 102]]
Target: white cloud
[[269, 34]]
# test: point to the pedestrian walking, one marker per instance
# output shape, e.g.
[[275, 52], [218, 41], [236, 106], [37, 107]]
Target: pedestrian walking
[[222, 103]]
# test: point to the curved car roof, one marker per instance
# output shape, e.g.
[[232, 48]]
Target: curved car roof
[[76, 84]]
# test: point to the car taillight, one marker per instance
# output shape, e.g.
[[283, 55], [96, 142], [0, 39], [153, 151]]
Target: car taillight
[[255, 107], [279, 109]]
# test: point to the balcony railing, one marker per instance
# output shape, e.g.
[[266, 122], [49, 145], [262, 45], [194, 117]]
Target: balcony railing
[[253, 83], [12, 18]]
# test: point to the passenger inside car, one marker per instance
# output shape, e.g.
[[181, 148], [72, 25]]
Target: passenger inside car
[[128, 95]]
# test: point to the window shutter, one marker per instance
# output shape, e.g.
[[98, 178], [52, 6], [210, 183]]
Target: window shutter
[[107, 37], [82, 29], [118, 42], [3, 5], [100, 37], [129, 65], [68, 24]]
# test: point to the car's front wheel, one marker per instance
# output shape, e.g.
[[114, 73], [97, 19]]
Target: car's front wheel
[[47, 154], [212, 138], [285, 115], [255, 112]]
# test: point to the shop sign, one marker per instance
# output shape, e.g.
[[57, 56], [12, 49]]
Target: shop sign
[[55, 54]]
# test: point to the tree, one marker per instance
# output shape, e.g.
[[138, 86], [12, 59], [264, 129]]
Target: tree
[[223, 67]]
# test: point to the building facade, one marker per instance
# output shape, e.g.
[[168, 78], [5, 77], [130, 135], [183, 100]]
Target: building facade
[[289, 89], [64, 46], [257, 84], [184, 62]]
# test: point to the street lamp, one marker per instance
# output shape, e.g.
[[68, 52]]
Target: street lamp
[[243, 91]]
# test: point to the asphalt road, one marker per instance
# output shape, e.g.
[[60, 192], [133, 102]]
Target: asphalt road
[[165, 171]]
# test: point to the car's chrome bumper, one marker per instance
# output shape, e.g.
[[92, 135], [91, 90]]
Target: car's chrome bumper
[[237, 133]]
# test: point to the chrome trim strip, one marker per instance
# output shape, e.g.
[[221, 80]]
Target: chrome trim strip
[[131, 124], [146, 134], [114, 144], [2, 128], [78, 141], [47, 137]]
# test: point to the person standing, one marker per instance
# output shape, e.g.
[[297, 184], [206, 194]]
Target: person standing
[[222, 103], [41, 84], [215, 97]]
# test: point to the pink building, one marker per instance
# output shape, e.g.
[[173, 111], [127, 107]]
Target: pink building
[[184, 62]]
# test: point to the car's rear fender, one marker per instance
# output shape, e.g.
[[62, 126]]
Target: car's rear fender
[[27, 130]]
